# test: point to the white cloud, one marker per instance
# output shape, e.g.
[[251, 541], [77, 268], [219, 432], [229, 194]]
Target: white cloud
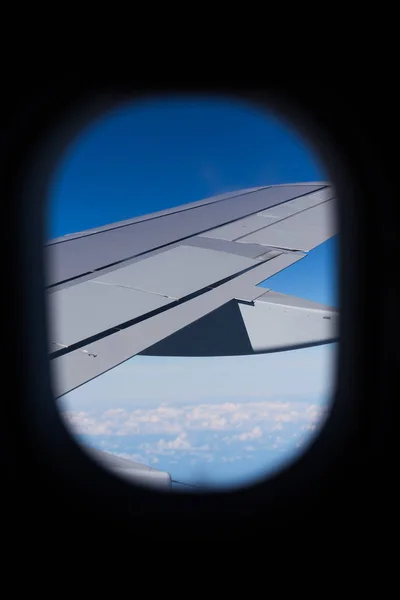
[[253, 418], [179, 443], [250, 435]]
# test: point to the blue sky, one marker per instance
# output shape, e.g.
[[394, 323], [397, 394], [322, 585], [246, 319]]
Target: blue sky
[[163, 153]]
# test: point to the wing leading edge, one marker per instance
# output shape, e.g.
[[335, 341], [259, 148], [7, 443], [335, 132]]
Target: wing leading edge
[[184, 282]]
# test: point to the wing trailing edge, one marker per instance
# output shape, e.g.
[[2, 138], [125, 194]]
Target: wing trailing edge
[[272, 322]]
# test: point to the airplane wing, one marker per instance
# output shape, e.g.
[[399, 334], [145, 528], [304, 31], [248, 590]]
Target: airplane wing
[[130, 470], [184, 282]]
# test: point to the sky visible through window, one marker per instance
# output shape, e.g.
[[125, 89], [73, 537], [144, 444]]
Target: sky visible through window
[[221, 420]]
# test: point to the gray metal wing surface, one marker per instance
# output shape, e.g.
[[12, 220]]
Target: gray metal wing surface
[[130, 470], [184, 282]]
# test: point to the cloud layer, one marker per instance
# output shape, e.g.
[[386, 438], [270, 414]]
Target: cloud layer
[[230, 417], [261, 417], [256, 436]]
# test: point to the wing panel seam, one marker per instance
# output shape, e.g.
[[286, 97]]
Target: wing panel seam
[[161, 309], [116, 263], [299, 212]]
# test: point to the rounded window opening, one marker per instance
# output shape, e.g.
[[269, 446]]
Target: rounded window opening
[[192, 292]]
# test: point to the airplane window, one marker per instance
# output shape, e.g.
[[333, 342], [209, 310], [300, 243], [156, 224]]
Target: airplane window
[[192, 292]]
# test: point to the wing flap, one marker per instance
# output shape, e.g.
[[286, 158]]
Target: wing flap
[[178, 272], [271, 323], [278, 322]]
